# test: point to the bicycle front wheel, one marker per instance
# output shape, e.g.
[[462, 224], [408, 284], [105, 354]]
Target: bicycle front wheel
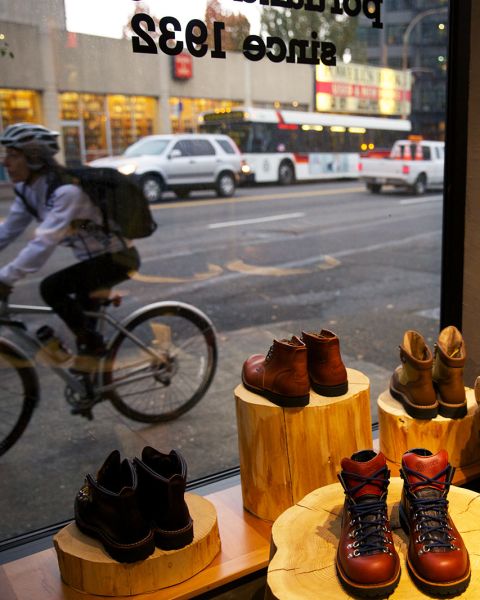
[[167, 365], [18, 394]]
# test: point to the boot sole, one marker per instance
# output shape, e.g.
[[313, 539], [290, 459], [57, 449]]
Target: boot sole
[[415, 411], [330, 390], [364, 590], [173, 540], [452, 411], [278, 399], [125, 553], [448, 588]]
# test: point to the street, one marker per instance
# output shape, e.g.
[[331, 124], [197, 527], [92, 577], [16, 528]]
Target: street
[[270, 262]]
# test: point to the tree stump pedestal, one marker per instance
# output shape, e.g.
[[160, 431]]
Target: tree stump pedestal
[[305, 540], [398, 432], [85, 565], [287, 452]]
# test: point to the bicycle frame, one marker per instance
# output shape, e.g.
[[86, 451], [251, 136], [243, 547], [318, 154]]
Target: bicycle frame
[[27, 340]]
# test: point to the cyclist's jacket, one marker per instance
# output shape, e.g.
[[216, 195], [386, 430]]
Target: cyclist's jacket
[[67, 217]]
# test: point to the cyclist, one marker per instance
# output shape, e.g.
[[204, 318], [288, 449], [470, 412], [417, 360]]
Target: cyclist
[[65, 216]]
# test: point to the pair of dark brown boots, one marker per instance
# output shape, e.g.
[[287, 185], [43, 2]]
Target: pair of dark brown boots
[[367, 563], [428, 384], [133, 506], [285, 375]]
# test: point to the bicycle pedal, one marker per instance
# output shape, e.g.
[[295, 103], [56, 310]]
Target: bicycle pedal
[[83, 412]]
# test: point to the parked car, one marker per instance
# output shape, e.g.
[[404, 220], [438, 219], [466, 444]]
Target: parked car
[[413, 164], [180, 162]]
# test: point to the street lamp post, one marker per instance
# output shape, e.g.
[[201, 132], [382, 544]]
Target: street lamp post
[[411, 26]]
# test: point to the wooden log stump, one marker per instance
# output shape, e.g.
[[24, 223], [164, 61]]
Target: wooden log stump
[[398, 432], [287, 452], [305, 540], [85, 565]]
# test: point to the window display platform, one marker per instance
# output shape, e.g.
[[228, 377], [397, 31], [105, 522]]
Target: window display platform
[[245, 549]]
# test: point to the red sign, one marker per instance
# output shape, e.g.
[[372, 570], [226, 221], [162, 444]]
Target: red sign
[[182, 66]]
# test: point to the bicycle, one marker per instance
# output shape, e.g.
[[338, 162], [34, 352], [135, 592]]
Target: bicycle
[[169, 347]]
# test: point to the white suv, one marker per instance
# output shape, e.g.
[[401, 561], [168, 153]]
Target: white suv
[[180, 162]]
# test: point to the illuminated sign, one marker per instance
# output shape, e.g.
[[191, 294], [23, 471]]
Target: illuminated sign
[[359, 89], [182, 66]]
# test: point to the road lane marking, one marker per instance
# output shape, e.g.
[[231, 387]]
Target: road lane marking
[[420, 200], [296, 215], [213, 271], [276, 196]]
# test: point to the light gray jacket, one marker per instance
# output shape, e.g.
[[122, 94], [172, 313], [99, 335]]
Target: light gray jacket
[[68, 217]]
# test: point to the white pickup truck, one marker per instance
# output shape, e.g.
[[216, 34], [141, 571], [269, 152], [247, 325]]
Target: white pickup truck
[[415, 165]]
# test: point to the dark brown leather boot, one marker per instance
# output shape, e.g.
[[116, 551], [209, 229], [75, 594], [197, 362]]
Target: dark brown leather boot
[[107, 508], [437, 558], [411, 382], [448, 362], [161, 486], [328, 375], [282, 375], [367, 562]]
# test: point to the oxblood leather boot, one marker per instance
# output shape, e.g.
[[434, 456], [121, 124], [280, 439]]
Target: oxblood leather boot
[[282, 375], [107, 508], [328, 375], [411, 382], [437, 558], [448, 362], [161, 486], [367, 562]]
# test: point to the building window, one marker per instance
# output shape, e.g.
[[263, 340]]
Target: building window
[[19, 105]]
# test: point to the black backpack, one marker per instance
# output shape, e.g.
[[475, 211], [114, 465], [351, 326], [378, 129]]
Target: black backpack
[[119, 198]]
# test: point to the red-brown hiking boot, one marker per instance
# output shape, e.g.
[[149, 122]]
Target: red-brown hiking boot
[[282, 375], [448, 362], [367, 562], [437, 558], [411, 382], [328, 375]]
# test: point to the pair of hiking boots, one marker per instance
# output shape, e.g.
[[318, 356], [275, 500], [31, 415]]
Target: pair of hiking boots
[[133, 506], [290, 367], [426, 384], [367, 562]]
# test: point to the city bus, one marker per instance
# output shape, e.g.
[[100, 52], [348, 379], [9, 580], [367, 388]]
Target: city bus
[[284, 146]]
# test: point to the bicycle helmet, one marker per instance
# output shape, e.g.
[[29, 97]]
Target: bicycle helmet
[[38, 143]]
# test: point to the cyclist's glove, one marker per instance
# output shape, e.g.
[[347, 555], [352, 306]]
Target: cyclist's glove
[[5, 291]]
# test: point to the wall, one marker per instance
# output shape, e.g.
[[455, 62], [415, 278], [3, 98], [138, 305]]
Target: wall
[[471, 288], [48, 13]]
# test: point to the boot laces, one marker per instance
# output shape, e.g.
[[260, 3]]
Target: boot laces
[[269, 354], [429, 507], [368, 515]]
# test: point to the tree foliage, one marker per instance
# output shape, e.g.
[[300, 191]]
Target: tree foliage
[[299, 24], [127, 28], [237, 26]]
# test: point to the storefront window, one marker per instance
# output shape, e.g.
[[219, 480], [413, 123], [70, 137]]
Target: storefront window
[[291, 236], [19, 105]]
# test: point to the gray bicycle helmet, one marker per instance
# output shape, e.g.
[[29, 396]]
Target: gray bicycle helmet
[[38, 143]]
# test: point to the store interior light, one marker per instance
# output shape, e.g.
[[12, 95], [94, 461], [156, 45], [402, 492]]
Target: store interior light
[[357, 130], [441, 26], [371, 146], [338, 129], [295, 103], [363, 147]]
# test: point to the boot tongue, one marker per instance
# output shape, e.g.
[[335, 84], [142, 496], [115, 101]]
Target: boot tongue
[[426, 466], [364, 464]]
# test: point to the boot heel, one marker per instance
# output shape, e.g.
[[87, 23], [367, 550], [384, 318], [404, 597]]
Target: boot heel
[[452, 412], [330, 390]]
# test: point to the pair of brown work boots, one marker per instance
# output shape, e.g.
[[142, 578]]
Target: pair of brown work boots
[[285, 375], [367, 563], [428, 384]]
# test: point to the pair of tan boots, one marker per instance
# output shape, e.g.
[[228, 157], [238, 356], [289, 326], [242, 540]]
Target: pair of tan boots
[[430, 384]]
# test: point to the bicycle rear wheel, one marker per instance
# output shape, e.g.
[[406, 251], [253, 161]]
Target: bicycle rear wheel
[[168, 368], [18, 394]]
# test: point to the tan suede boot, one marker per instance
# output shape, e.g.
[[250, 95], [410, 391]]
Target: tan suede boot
[[411, 382], [448, 363]]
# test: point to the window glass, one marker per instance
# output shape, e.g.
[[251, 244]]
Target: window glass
[[303, 231], [202, 147]]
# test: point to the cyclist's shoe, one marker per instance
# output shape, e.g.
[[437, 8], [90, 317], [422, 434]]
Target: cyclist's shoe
[[107, 508], [161, 486]]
